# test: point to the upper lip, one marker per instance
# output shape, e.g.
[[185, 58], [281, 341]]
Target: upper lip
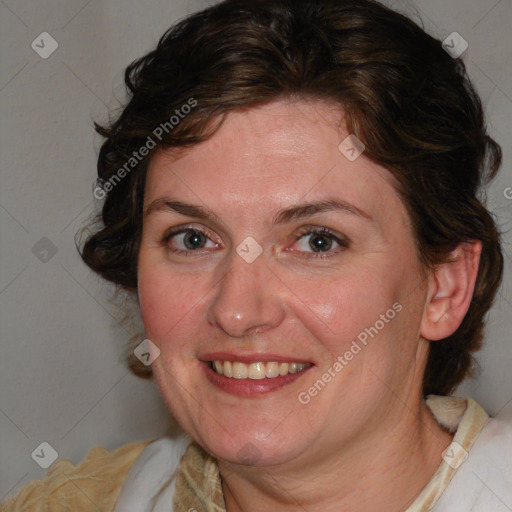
[[252, 358]]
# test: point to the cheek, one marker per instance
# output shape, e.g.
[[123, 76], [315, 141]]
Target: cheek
[[376, 305], [336, 307], [166, 299]]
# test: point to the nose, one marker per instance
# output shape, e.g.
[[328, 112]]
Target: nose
[[248, 299]]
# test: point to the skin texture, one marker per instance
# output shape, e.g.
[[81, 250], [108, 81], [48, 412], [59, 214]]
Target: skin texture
[[366, 441]]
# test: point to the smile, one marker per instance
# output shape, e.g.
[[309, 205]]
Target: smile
[[256, 371]]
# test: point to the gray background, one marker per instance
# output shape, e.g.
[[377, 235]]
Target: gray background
[[62, 376]]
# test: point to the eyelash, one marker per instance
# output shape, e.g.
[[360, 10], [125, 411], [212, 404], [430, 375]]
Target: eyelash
[[342, 241]]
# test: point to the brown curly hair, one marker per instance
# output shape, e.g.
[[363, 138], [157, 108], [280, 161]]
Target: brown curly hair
[[404, 97]]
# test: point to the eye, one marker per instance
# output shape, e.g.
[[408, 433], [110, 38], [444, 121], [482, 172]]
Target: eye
[[321, 240], [186, 240]]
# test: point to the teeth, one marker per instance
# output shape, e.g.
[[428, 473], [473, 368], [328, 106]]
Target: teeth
[[219, 367], [228, 368], [256, 371], [240, 371], [272, 370]]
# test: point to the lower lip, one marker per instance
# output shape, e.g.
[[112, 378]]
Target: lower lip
[[250, 387]]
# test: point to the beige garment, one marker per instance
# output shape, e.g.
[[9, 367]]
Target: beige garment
[[95, 484], [91, 486], [467, 424]]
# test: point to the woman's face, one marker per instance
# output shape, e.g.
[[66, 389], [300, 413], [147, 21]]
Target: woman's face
[[345, 305]]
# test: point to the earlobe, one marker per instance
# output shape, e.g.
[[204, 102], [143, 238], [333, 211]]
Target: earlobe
[[450, 292]]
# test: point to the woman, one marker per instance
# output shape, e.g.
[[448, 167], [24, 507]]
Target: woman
[[291, 195]]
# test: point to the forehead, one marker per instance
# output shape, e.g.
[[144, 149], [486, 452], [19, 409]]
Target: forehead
[[271, 156]]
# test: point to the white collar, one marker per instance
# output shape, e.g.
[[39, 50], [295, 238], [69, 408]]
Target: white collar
[[149, 484]]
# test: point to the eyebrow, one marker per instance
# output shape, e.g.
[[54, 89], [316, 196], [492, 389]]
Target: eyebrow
[[295, 212]]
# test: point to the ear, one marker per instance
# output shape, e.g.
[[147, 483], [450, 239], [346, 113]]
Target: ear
[[450, 291]]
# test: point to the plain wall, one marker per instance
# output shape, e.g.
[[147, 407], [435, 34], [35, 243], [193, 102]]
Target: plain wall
[[62, 376]]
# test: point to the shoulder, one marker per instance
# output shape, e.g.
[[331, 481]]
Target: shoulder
[[93, 484], [483, 481]]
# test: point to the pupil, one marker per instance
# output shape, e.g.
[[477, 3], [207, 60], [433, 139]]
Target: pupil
[[320, 242], [193, 241]]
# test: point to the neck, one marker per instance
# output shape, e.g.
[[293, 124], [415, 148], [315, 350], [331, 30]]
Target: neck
[[382, 470]]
